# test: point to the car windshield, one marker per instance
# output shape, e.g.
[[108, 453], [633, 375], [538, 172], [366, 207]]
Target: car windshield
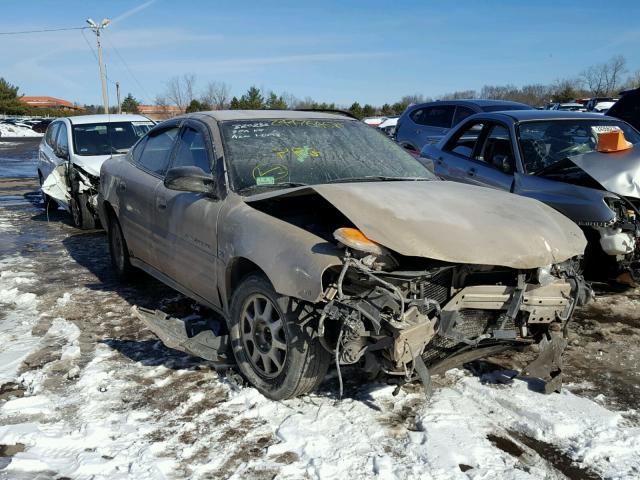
[[107, 138], [547, 143], [282, 153]]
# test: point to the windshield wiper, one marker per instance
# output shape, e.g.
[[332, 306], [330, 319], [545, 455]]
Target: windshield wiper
[[377, 178], [274, 185]]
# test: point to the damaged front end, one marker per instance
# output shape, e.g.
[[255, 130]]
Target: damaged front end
[[68, 181], [402, 317]]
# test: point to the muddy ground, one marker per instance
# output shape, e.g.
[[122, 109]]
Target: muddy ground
[[74, 281]]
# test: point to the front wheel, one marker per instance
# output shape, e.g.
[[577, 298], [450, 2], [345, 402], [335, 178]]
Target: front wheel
[[82, 216], [272, 342]]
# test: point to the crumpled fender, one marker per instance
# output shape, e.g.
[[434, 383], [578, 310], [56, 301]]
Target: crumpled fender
[[293, 259], [55, 185]]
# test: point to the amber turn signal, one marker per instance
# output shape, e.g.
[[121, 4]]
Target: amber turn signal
[[354, 238]]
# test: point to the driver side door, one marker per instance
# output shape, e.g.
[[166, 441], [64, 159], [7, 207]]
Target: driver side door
[[494, 160], [185, 222]]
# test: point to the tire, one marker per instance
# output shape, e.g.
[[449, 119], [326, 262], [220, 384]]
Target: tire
[[50, 205], [119, 252], [80, 213], [275, 334]]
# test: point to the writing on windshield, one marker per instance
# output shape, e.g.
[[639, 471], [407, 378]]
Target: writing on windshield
[[310, 152]]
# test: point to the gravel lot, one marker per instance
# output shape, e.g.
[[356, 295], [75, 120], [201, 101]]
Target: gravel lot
[[87, 392]]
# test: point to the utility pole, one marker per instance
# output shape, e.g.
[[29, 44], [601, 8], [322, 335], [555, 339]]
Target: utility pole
[[118, 97], [97, 29]]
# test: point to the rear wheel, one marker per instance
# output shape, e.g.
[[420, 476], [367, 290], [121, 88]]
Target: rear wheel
[[273, 345], [119, 252], [82, 216]]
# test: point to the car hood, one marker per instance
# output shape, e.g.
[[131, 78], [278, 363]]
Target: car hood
[[618, 172], [91, 164], [452, 222]]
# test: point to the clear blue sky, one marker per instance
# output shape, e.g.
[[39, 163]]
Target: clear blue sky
[[371, 51]]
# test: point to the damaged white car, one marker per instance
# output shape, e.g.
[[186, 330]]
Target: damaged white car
[[71, 154], [319, 241]]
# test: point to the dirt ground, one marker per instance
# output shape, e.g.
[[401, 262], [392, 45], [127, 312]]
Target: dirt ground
[[71, 279]]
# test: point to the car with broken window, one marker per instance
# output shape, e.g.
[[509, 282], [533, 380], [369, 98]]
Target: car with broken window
[[319, 241], [585, 165], [71, 154]]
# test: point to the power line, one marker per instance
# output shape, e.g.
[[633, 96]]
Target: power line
[[147, 97], [43, 30]]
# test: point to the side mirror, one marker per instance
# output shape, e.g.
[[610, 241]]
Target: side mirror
[[504, 163], [62, 153], [190, 179]]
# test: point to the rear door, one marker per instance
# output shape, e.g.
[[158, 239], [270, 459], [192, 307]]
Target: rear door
[[431, 123], [185, 226], [136, 186]]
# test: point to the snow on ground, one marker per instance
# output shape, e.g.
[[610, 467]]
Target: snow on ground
[[87, 393], [8, 130]]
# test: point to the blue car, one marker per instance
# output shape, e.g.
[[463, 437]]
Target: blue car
[[585, 165], [425, 123]]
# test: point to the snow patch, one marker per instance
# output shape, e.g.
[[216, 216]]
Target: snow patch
[[8, 130]]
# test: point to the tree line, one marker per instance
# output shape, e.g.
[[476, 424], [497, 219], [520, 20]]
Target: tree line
[[601, 80]]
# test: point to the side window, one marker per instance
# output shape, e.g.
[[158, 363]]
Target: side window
[[62, 140], [157, 149], [50, 136], [461, 114], [497, 151], [192, 151], [416, 115], [439, 116], [464, 142], [137, 150]]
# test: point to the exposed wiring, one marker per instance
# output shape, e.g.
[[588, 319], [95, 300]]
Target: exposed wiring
[[337, 356]]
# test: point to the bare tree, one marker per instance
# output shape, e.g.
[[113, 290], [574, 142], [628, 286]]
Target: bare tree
[[633, 81], [217, 95], [180, 90], [616, 67], [605, 78]]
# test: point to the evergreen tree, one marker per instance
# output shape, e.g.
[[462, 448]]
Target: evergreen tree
[[234, 104], [195, 106], [356, 110], [368, 110], [130, 104], [8, 92], [275, 102], [252, 100], [387, 110]]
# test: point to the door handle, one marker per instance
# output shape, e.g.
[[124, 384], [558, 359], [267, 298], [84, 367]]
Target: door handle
[[439, 161], [122, 186], [472, 172], [161, 204]]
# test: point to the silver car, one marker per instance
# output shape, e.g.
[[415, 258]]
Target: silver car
[[320, 241]]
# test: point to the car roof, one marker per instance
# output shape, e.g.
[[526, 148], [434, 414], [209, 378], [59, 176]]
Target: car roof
[[477, 102], [530, 115], [222, 115], [84, 119]]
